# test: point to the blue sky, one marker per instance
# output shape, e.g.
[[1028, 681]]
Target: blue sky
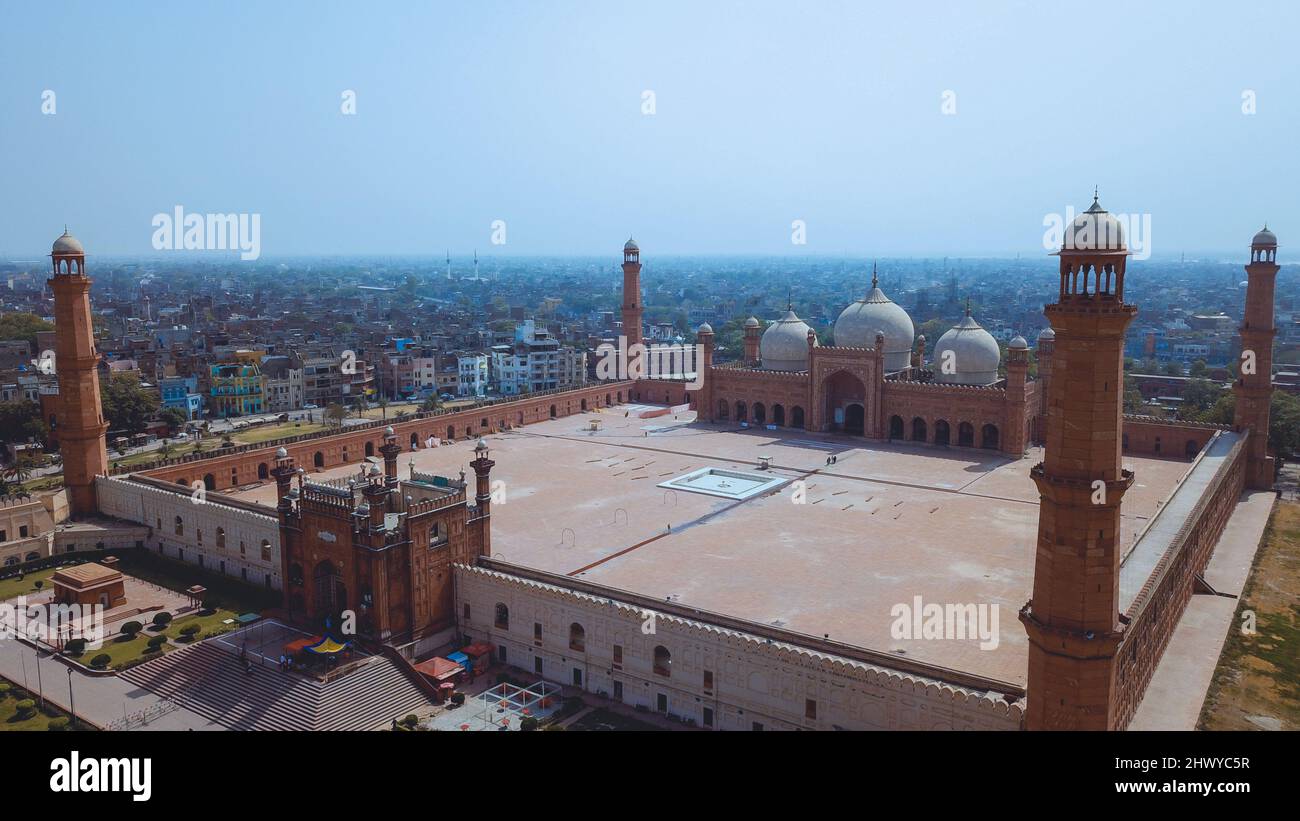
[[531, 113]]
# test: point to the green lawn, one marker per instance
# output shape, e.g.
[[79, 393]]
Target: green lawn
[[10, 588], [230, 594], [120, 652], [9, 712], [256, 436]]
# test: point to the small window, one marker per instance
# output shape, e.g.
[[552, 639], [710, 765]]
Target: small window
[[22, 531], [502, 619], [809, 708], [537, 632], [180, 526], [466, 612], [618, 656], [577, 638], [708, 681]]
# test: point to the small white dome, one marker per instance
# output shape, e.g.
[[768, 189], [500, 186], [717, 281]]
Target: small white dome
[[481, 444], [705, 328], [388, 431], [1094, 230], [859, 323], [630, 245], [1018, 343], [1264, 239], [67, 244], [970, 352], [752, 322], [281, 453], [1046, 333], [784, 346]]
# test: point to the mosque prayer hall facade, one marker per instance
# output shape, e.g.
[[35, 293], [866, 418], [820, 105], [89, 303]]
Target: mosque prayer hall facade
[[565, 595], [874, 382]]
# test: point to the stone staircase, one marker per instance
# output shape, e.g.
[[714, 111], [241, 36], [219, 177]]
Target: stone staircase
[[211, 682]]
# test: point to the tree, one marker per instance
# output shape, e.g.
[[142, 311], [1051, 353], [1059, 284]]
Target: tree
[[335, 414], [1198, 396], [127, 404], [1199, 369], [131, 628], [21, 421], [1133, 402], [21, 470], [161, 619], [1173, 369], [174, 418], [1283, 420], [22, 326]]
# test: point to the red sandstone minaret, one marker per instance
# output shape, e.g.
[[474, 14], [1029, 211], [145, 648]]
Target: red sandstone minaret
[[1073, 618], [632, 294], [80, 421], [1254, 385], [753, 335], [482, 466]]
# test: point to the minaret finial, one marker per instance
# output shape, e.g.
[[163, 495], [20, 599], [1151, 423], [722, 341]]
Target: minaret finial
[[789, 299], [967, 306], [1096, 189], [875, 280]]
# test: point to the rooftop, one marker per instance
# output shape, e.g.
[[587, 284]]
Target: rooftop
[[884, 524]]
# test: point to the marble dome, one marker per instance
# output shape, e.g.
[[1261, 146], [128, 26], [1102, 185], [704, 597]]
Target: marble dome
[[67, 244], [972, 351], [860, 321], [1094, 230], [784, 346]]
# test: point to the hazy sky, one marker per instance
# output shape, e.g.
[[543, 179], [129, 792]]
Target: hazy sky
[[765, 113]]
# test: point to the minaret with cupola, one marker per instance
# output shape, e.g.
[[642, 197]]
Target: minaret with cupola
[[80, 424], [632, 294], [1073, 618], [1253, 389]]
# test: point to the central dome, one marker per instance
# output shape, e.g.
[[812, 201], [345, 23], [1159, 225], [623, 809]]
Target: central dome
[[1094, 230], [969, 352], [784, 346], [858, 324]]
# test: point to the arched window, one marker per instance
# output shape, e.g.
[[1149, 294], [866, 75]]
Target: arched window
[[262, 471], [451, 433], [741, 412], [209, 481], [266, 550], [760, 413], [895, 427], [796, 417], [577, 638], [966, 435], [663, 661], [318, 459], [989, 437], [180, 526], [221, 537], [370, 448], [502, 618], [778, 415], [584, 404], [552, 411]]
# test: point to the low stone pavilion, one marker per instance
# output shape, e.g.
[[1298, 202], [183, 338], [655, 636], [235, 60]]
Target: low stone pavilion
[[89, 584]]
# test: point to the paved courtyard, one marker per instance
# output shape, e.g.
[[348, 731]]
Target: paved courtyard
[[881, 525]]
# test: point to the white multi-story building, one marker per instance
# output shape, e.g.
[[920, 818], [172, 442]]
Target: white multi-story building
[[536, 362], [474, 373], [284, 383]]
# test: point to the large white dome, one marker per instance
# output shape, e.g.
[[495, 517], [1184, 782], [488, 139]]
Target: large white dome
[[970, 352], [858, 324], [784, 346]]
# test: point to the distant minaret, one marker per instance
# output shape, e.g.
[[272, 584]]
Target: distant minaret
[[1254, 389], [632, 293], [1073, 618], [476, 265], [449, 265], [80, 422]]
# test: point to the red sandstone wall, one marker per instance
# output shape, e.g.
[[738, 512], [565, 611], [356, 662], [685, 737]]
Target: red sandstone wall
[[1155, 612], [243, 465], [1151, 436]]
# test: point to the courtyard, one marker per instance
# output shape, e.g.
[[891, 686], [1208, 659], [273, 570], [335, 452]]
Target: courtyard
[[830, 552]]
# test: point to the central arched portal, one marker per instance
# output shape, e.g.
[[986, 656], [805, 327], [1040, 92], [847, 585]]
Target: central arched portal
[[845, 397], [331, 596]]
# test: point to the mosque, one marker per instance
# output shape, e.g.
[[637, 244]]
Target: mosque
[[750, 610]]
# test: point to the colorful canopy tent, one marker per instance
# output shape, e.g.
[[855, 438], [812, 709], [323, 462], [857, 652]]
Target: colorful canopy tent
[[326, 647], [296, 646], [439, 669]]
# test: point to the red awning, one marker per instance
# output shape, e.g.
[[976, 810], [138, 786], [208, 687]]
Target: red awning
[[439, 668]]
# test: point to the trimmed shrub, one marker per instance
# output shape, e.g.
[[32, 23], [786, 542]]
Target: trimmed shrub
[[75, 646], [5, 687], [101, 661], [26, 708], [58, 724], [528, 724], [411, 720], [131, 628], [162, 619], [188, 631], [156, 641]]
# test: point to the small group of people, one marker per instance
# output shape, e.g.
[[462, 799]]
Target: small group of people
[[832, 459], [286, 663]]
